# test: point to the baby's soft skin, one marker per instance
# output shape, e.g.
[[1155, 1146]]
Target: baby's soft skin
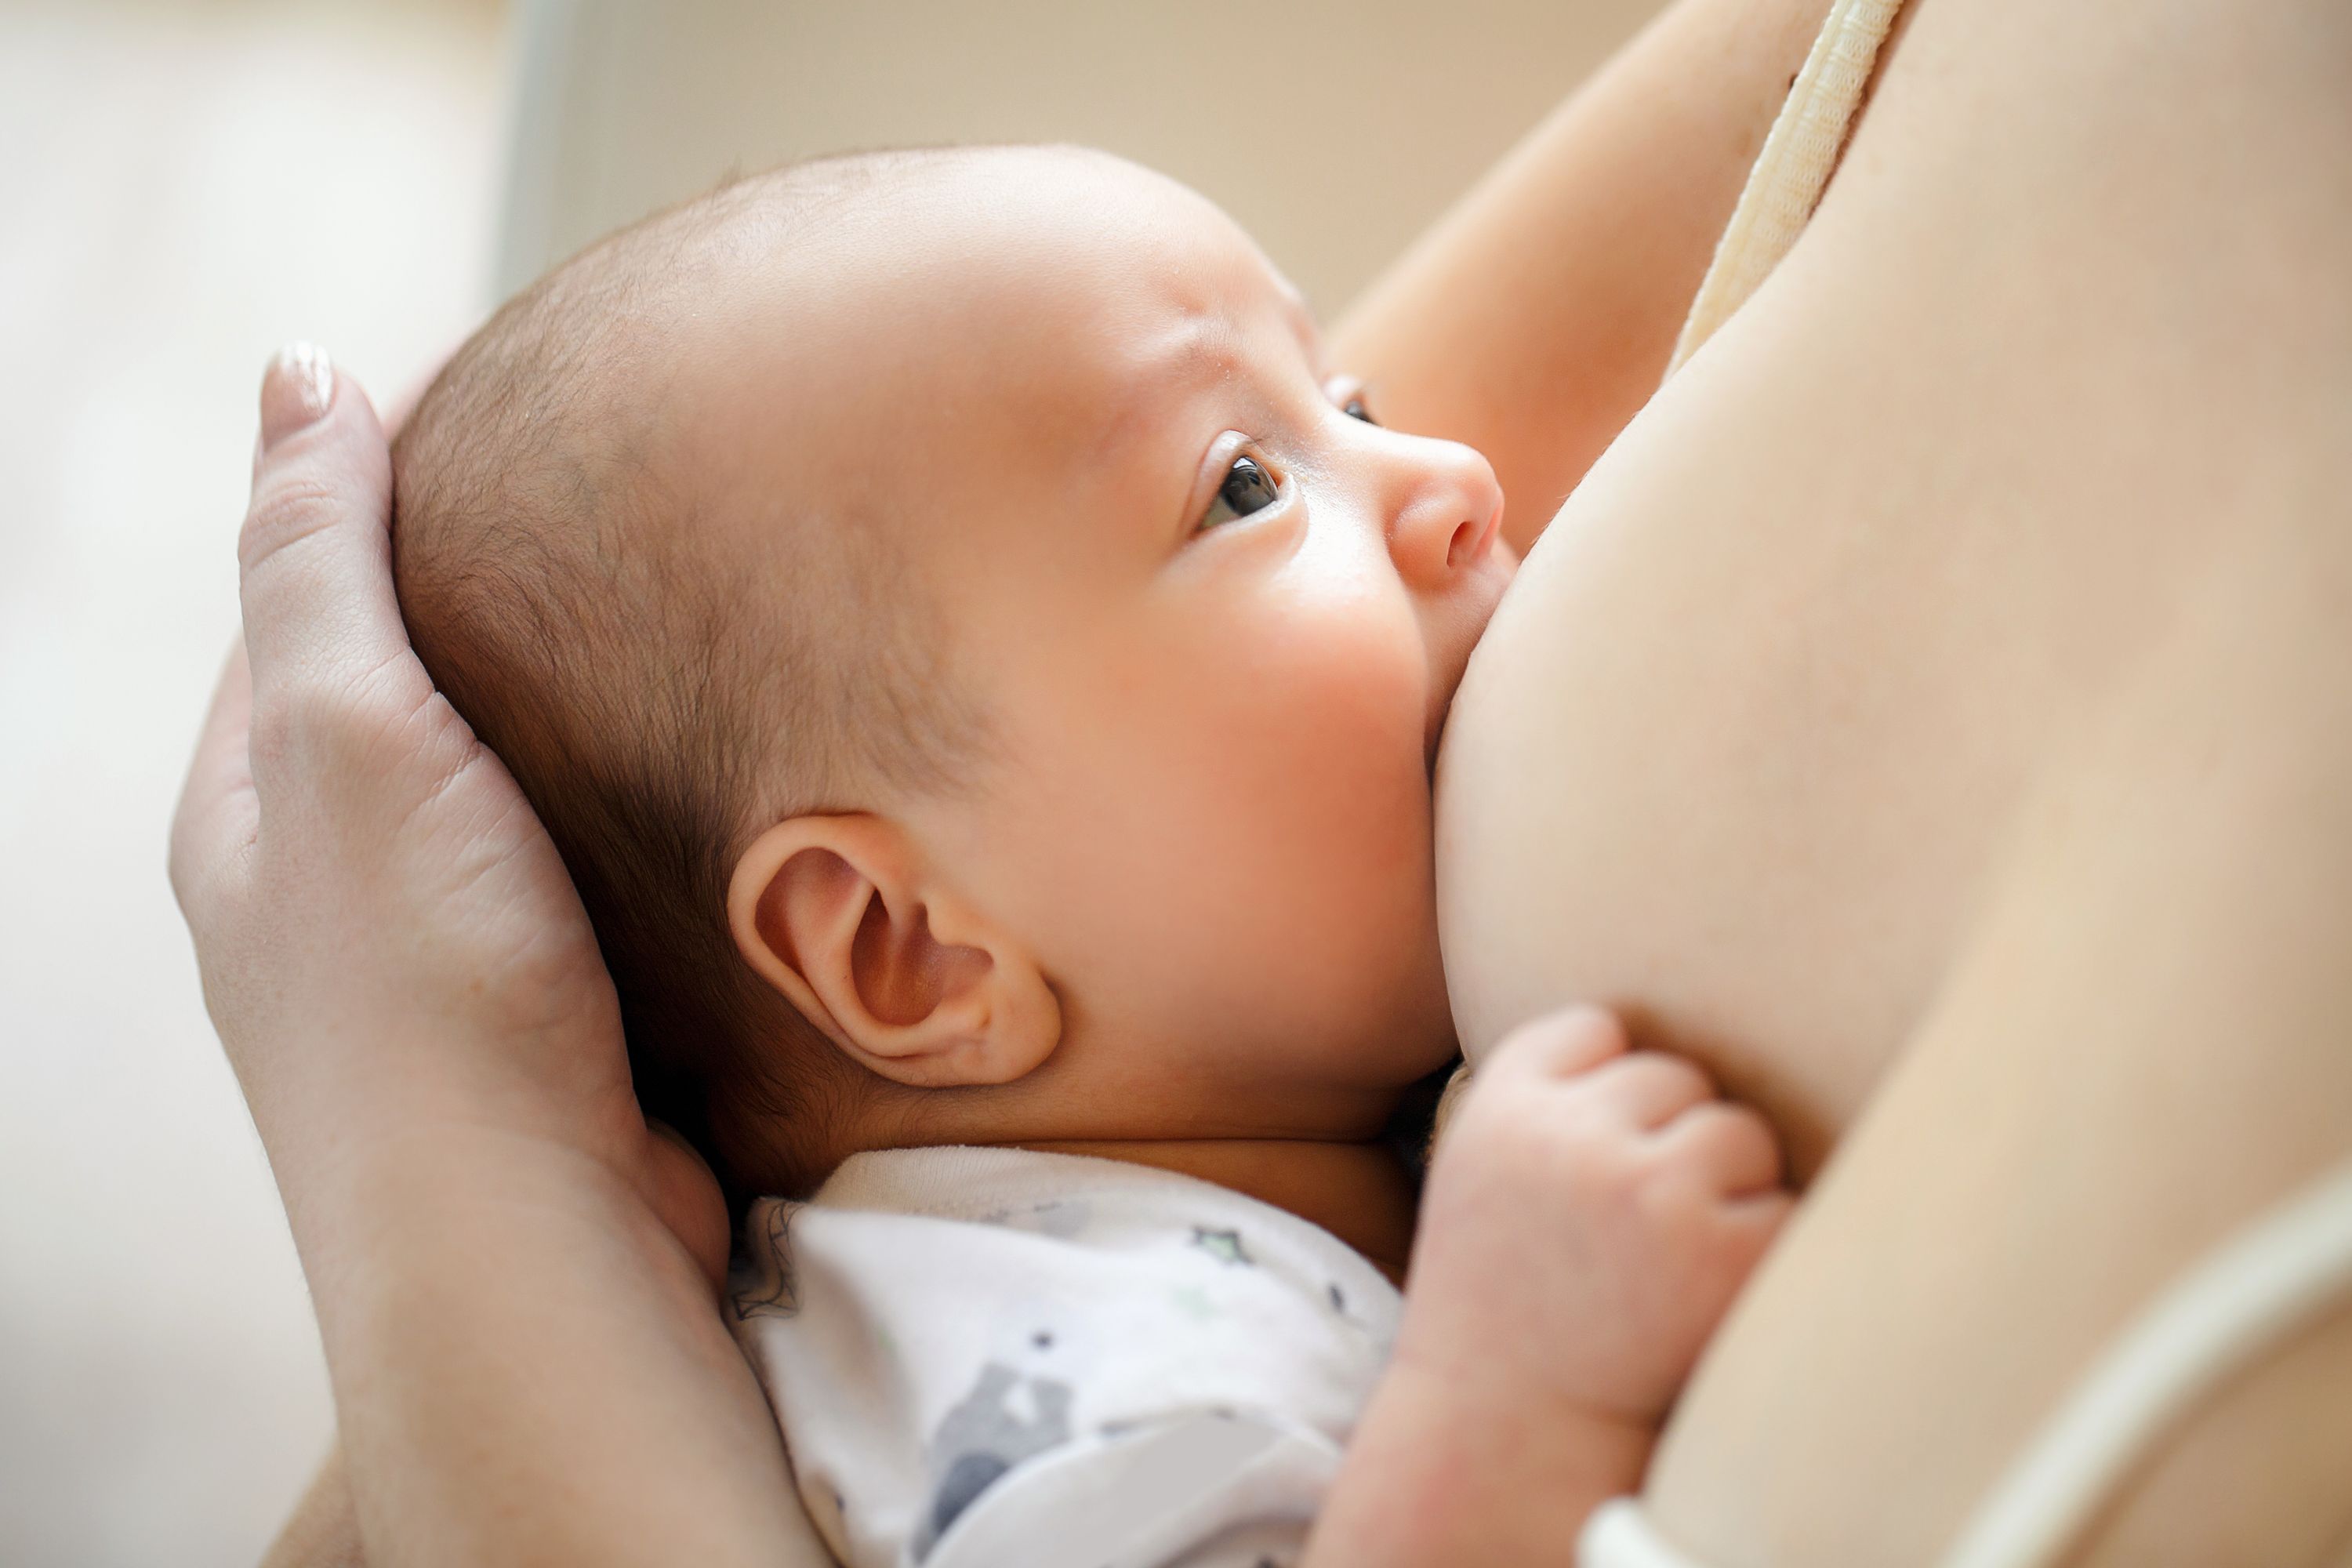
[[1215, 622], [1589, 1216], [1050, 430]]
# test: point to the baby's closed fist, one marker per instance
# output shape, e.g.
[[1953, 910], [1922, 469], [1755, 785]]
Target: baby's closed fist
[[1591, 1213]]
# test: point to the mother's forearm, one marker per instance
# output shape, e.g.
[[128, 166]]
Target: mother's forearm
[[1535, 319], [324, 1530], [505, 1320]]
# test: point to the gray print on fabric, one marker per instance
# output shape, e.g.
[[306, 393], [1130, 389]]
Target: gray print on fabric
[[761, 1284], [1224, 1246], [985, 1436], [1063, 1219]]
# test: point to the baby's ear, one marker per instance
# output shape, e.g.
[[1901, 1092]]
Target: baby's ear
[[899, 971]]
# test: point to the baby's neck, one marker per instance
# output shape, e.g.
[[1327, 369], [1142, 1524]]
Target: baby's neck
[[1360, 1193]]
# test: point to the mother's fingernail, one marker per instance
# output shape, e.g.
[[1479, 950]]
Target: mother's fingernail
[[295, 390]]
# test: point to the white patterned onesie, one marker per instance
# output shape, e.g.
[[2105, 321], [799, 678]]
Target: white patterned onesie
[[990, 1358]]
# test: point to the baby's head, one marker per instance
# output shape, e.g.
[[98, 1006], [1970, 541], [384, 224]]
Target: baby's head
[[982, 675]]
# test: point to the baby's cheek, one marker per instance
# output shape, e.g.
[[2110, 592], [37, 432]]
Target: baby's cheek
[[1348, 820], [1285, 881], [1235, 832]]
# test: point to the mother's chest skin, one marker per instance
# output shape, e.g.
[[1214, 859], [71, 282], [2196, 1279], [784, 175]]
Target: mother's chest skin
[[1717, 766], [1738, 749], [1742, 748]]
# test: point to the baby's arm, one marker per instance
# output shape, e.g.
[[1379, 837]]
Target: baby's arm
[[1535, 319], [1591, 1214]]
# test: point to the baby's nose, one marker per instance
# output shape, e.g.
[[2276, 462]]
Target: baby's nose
[[1449, 516]]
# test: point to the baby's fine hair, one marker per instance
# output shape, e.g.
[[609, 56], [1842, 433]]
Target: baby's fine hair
[[659, 704]]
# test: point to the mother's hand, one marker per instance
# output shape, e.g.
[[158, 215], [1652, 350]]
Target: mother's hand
[[513, 1275], [379, 918]]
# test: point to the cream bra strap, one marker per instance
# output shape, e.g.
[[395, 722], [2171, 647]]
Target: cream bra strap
[[2258, 1289], [1790, 173]]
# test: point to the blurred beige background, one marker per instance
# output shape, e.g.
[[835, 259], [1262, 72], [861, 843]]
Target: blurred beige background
[[187, 186]]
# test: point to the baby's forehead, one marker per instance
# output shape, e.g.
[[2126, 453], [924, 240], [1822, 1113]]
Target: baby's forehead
[[1029, 294], [1039, 271]]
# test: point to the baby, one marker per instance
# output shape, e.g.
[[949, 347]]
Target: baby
[[984, 672]]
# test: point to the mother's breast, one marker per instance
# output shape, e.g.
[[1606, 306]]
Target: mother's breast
[[1732, 754], [1740, 748]]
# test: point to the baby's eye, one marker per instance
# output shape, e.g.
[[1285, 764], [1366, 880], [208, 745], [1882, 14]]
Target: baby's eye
[[1348, 393], [1250, 486]]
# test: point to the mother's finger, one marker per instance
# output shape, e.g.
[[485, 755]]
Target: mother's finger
[[316, 551], [217, 817]]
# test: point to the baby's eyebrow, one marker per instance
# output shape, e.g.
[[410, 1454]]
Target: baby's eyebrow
[[1209, 345]]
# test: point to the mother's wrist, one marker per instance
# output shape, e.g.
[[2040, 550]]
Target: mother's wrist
[[318, 1083], [343, 1136], [383, 1207]]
